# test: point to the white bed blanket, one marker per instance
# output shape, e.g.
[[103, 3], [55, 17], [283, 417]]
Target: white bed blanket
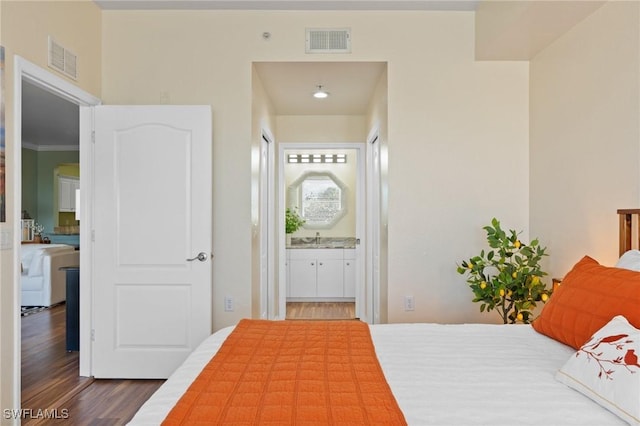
[[472, 374]]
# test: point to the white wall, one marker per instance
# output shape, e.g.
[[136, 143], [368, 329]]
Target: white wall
[[585, 122], [451, 121]]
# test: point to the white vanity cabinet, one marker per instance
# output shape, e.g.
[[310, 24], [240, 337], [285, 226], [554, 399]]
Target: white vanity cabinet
[[302, 276], [319, 273], [330, 277], [349, 264]]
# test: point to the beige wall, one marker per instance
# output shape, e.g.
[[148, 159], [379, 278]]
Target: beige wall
[[457, 156], [25, 27], [585, 122], [75, 24], [321, 128], [451, 120]]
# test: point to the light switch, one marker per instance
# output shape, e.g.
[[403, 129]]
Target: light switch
[[5, 239]]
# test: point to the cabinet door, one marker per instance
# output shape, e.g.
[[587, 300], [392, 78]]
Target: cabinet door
[[302, 279], [64, 194], [67, 194], [349, 278], [330, 278], [288, 272]]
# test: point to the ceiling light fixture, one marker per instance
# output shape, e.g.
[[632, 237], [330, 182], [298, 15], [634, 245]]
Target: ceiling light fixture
[[320, 94]]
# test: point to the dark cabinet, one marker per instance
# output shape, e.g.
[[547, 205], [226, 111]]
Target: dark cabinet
[[73, 307]]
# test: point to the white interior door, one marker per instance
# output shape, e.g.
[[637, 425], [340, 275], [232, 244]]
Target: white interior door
[[152, 186]]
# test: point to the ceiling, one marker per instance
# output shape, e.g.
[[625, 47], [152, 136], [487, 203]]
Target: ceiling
[[49, 122], [505, 30], [290, 85], [519, 30]]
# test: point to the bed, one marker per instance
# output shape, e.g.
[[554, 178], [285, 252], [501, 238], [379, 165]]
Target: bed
[[508, 381], [576, 365]]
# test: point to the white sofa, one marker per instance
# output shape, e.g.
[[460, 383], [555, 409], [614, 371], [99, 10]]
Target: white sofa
[[42, 281]]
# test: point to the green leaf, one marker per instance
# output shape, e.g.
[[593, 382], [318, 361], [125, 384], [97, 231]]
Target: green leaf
[[526, 251], [496, 267]]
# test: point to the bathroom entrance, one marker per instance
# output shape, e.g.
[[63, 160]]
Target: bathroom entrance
[[322, 200]]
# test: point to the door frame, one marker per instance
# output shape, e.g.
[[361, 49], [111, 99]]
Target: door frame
[[27, 71], [361, 281], [373, 226], [267, 228]]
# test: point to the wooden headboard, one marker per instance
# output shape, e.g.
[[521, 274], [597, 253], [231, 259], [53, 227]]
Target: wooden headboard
[[626, 228]]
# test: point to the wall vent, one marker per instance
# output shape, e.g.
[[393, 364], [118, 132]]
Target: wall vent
[[324, 40], [63, 60]]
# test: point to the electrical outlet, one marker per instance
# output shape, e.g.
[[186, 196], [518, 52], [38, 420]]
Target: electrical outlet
[[165, 98], [409, 304], [228, 304]]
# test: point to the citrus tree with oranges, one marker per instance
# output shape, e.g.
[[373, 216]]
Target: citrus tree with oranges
[[508, 277]]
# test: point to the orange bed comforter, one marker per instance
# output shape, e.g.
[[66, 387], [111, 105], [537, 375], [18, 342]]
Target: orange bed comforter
[[291, 372]]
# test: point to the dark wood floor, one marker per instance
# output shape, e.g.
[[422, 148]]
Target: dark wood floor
[[50, 380]]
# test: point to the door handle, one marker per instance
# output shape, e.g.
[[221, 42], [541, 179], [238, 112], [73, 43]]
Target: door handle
[[202, 256]]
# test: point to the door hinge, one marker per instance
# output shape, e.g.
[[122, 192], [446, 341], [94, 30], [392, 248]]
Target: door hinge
[[93, 136], [93, 335], [358, 241], [93, 235]]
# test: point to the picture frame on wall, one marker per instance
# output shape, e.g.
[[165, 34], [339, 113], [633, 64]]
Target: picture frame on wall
[[3, 188]]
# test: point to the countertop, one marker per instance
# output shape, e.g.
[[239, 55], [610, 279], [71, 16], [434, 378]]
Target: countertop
[[322, 243]]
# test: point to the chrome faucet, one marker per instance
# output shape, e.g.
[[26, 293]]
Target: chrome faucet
[[317, 237]]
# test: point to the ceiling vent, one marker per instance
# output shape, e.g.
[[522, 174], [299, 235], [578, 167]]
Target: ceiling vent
[[334, 40], [62, 59]]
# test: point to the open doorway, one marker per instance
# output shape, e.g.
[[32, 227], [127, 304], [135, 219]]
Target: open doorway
[[50, 241], [355, 101], [322, 187], [31, 77]]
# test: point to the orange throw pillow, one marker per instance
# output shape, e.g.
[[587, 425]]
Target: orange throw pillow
[[588, 298]]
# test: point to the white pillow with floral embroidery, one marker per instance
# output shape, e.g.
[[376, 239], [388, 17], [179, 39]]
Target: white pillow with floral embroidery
[[606, 369]]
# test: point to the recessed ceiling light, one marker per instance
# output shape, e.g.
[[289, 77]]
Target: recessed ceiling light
[[320, 94]]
